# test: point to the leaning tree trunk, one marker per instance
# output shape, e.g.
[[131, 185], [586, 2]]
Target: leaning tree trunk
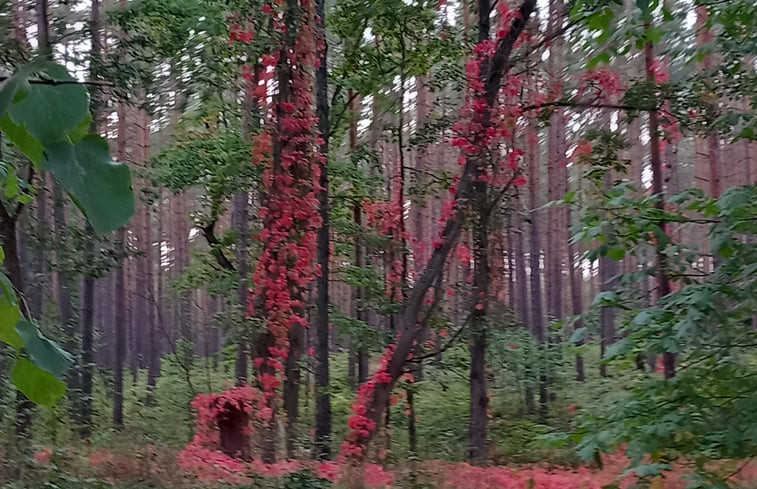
[[408, 326]]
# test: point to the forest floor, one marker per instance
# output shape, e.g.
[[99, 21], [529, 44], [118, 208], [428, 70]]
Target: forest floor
[[159, 468]]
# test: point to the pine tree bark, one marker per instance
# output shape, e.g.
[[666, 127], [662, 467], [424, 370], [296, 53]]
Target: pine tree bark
[[88, 282], [322, 397], [537, 311], [479, 401], [556, 164], [663, 281], [608, 269], [120, 291], [63, 299]]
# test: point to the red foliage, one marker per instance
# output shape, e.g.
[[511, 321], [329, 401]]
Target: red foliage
[[287, 149], [603, 84], [215, 467], [43, 456]]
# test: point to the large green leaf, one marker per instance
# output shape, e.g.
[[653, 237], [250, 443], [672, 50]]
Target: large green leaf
[[44, 353], [9, 316], [99, 186], [8, 91], [51, 112], [28, 144], [14, 89], [38, 385]]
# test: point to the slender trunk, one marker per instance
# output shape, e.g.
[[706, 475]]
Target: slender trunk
[[554, 252], [575, 278], [12, 265], [153, 343], [351, 359], [523, 305], [608, 269], [479, 401], [87, 334], [322, 397], [88, 282], [63, 298], [240, 219], [663, 281], [24, 407], [120, 293], [119, 301], [359, 251], [537, 313]]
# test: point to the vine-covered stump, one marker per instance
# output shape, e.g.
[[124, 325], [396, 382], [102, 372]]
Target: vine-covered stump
[[224, 423], [234, 433]]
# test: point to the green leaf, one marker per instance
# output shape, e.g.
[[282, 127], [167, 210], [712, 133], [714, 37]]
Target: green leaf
[[38, 385], [78, 133], [649, 470], [51, 112], [643, 6], [747, 133], [9, 316], [14, 89], [99, 186], [578, 335], [619, 348], [606, 298], [6, 286], [44, 353], [11, 188], [2, 255], [28, 144], [616, 254]]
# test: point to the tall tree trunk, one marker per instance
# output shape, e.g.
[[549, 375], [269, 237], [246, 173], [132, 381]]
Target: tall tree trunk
[[537, 312], [152, 346], [240, 221], [24, 407], [479, 401], [12, 265], [608, 269], [359, 249], [556, 164], [576, 279], [663, 281], [65, 308], [322, 397], [119, 290], [88, 282]]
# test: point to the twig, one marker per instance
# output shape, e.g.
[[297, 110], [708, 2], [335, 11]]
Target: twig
[[447, 346], [48, 81]]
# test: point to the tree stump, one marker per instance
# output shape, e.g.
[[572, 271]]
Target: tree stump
[[234, 431]]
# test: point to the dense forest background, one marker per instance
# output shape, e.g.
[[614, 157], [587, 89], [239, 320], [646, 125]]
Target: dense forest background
[[461, 244]]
